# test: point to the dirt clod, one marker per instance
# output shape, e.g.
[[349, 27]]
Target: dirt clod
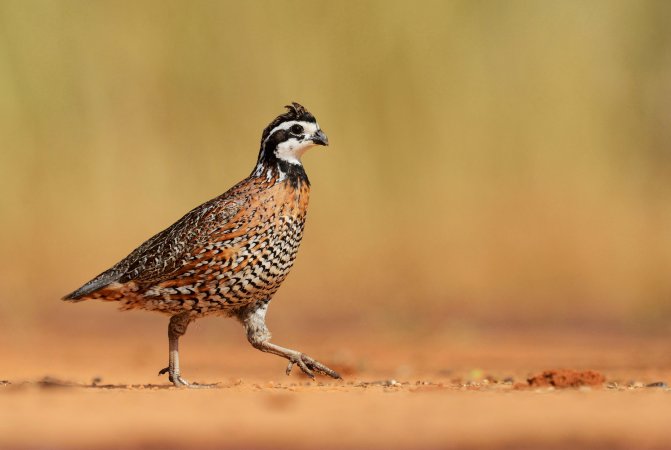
[[566, 378]]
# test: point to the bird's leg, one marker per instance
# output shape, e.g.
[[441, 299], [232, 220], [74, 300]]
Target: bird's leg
[[253, 318], [176, 328]]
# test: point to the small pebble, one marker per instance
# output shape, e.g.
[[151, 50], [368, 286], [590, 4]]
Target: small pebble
[[657, 384]]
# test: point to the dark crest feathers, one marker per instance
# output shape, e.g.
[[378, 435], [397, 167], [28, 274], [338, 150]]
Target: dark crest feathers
[[295, 112]]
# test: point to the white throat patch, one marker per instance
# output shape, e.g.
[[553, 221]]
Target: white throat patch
[[292, 150]]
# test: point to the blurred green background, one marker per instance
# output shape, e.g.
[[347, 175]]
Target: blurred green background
[[498, 161]]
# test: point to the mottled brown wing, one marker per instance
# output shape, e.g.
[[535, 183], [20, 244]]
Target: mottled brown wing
[[164, 254]]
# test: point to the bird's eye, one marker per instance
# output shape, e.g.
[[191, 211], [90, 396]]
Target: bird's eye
[[296, 129]]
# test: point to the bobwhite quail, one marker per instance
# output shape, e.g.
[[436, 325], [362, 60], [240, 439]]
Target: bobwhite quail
[[229, 255]]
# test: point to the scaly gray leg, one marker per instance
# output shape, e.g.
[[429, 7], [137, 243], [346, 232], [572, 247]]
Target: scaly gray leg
[[176, 328], [253, 318]]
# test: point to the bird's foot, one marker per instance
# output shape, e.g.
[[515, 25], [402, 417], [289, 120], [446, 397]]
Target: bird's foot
[[174, 377], [179, 382], [309, 366]]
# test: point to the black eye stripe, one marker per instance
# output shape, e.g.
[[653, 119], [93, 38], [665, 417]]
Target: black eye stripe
[[280, 135]]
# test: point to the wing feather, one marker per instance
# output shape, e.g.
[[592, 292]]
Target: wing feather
[[164, 253]]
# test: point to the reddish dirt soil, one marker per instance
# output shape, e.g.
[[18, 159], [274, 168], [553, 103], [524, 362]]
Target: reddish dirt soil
[[86, 387], [563, 378]]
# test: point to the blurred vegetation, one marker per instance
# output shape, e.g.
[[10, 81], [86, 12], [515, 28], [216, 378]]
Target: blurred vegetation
[[507, 160]]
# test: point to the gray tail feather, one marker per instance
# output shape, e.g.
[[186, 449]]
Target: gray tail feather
[[99, 282], [74, 297]]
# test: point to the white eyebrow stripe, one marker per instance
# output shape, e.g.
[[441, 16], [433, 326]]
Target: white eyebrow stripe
[[287, 125]]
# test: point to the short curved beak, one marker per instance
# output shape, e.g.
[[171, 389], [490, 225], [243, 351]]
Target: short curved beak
[[320, 138]]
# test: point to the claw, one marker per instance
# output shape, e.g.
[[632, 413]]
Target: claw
[[305, 369], [180, 382], [175, 379], [309, 366]]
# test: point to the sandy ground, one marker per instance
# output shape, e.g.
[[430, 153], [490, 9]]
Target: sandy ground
[[88, 388]]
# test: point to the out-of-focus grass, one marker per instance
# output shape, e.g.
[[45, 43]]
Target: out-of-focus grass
[[507, 159]]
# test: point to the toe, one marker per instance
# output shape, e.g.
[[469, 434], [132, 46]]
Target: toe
[[289, 367], [180, 382], [305, 366]]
